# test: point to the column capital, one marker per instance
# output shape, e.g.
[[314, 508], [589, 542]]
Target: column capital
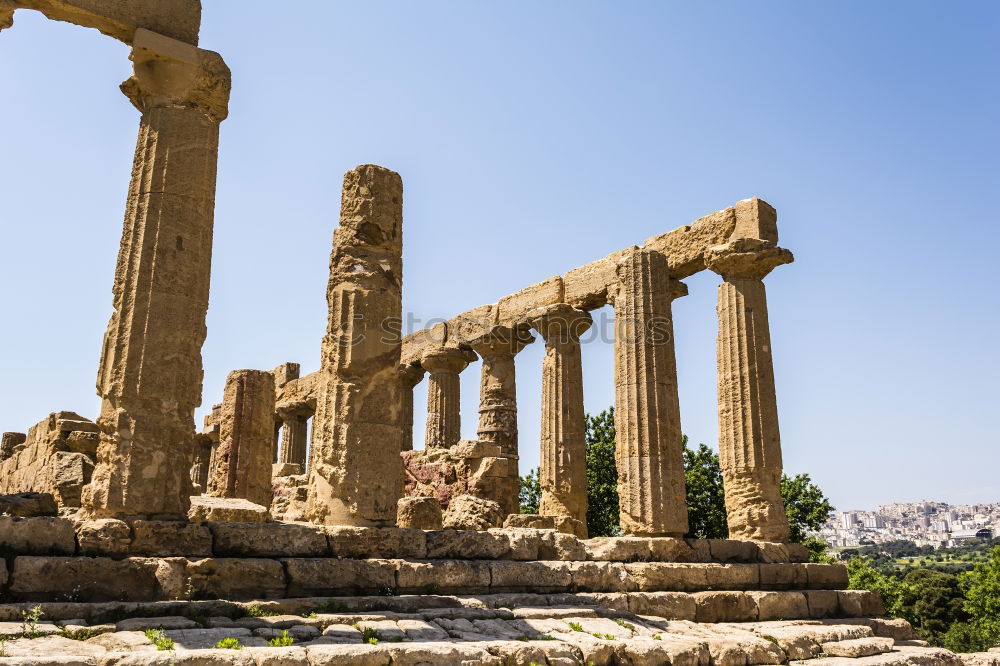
[[746, 258], [560, 323], [676, 289], [502, 341], [169, 72], [447, 359], [409, 375]]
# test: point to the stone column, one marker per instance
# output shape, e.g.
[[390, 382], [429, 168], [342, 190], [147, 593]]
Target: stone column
[[409, 377], [243, 457], [563, 462], [749, 442], [444, 409], [498, 403], [355, 471], [151, 373], [649, 451], [294, 430]]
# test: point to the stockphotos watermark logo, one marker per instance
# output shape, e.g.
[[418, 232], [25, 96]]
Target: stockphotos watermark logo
[[557, 328]]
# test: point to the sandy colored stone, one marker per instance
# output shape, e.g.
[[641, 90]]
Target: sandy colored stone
[[498, 403], [170, 538], [37, 536], [226, 509], [151, 373], [422, 513], [366, 542], [56, 457], [96, 578], [268, 540], [355, 473], [749, 443], [467, 512], [563, 524], [28, 504], [241, 464], [650, 452], [562, 469], [313, 577], [105, 536], [466, 544], [231, 578], [443, 365]]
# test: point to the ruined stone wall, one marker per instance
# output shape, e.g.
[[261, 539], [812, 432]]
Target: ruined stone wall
[[56, 457]]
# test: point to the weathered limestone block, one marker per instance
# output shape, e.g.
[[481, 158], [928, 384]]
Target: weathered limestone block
[[355, 474], [563, 465], [512, 310], [105, 536], [37, 536], [649, 452], [289, 493], [466, 544], [29, 504], [226, 509], [151, 373], [749, 441], [96, 578], [242, 461], [179, 19], [444, 418], [498, 403], [328, 576], [422, 513], [685, 247], [8, 442], [268, 540], [56, 457], [467, 512], [244, 578], [456, 576], [563, 524], [385, 542], [170, 538], [668, 605], [724, 607], [470, 467]]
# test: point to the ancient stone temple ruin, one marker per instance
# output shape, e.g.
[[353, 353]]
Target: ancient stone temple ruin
[[301, 523]]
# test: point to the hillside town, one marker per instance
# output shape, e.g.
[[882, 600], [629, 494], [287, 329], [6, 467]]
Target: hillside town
[[926, 523]]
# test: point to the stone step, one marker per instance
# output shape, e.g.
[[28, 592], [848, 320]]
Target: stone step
[[50, 535], [35, 578], [601, 639]]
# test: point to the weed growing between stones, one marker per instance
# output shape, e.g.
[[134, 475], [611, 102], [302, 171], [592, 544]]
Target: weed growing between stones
[[255, 610], [284, 640], [576, 626], [622, 623], [160, 639], [29, 621], [369, 635], [228, 644]]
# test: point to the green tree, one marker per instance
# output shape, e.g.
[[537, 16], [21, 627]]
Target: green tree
[[603, 515], [934, 601], [806, 506], [861, 575], [982, 599], [530, 495], [705, 501]]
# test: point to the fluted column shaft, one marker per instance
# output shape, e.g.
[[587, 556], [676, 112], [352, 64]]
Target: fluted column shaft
[[444, 408], [355, 472], [150, 374], [649, 451], [409, 377], [294, 438], [242, 465], [498, 404], [563, 461], [749, 440]]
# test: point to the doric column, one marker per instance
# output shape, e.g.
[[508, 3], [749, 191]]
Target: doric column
[[242, 465], [563, 461], [409, 377], [649, 451], [151, 373], [444, 408], [749, 442], [355, 471], [294, 430], [498, 403]]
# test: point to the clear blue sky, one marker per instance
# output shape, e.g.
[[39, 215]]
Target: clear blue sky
[[534, 137]]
